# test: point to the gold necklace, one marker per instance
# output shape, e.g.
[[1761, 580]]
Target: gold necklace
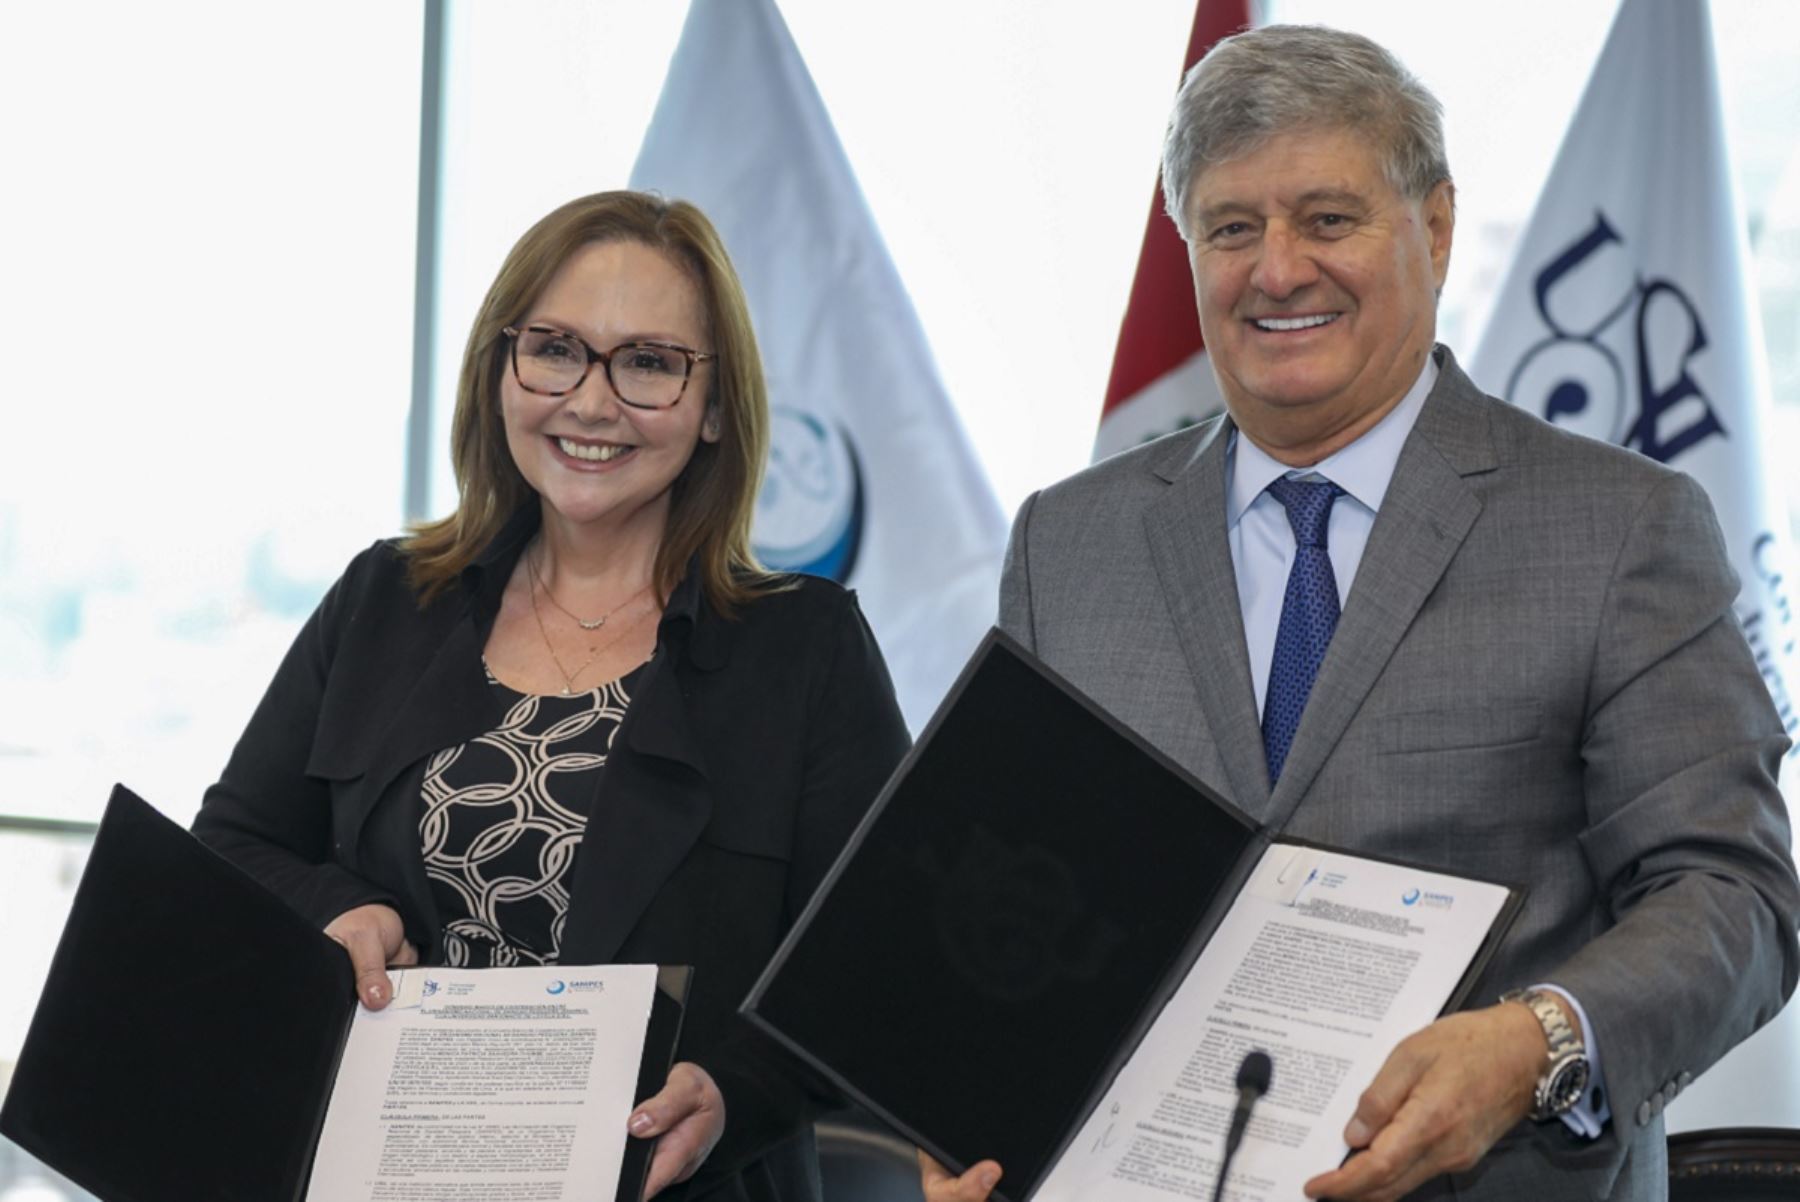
[[584, 623], [593, 652]]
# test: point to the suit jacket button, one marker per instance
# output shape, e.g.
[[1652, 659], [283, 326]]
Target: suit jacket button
[[1644, 1114], [1669, 1092], [1686, 1079], [1656, 1103]]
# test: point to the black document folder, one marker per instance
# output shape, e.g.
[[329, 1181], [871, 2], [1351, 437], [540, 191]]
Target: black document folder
[[188, 1035], [1031, 886]]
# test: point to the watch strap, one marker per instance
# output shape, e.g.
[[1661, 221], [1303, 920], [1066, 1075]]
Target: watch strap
[[1567, 1057]]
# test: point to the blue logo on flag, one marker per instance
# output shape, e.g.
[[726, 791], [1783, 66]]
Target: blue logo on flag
[[809, 516], [1572, 377]]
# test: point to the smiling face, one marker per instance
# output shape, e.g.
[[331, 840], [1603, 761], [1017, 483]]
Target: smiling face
[[590, 458], [1317, 287]]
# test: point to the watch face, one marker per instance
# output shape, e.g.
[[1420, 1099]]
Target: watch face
[[1568, 1081]]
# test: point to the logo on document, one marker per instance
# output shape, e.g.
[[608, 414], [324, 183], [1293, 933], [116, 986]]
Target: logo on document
[[1426, 900], [430, 988], [554, 988]]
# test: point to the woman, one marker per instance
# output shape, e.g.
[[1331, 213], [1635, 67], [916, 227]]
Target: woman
[[574, 721]]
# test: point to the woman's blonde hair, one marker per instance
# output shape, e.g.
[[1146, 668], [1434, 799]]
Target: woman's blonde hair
[[711, 502]]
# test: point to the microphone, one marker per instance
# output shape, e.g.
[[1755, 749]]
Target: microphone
[[1253, 1078]]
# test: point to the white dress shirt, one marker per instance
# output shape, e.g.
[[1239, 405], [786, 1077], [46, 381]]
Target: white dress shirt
[[1262, 542], [1262, 553]]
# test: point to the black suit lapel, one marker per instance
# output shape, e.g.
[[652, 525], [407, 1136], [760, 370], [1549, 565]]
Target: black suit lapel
[[652, 804], [451, 703]]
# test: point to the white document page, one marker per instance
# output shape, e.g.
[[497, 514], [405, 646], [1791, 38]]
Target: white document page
[[1326, 961], [497, 1085]]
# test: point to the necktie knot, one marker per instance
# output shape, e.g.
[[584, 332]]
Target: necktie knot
[[1308, 506]]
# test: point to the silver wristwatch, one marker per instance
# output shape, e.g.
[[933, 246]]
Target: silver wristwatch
[[1565, 1075]]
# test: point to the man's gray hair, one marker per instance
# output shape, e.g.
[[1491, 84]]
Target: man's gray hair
[[1279, 79]]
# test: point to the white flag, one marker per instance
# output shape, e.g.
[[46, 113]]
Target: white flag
[[1627, 315], [871, 479]]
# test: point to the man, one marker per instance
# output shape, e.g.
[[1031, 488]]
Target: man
[[1379, 609]]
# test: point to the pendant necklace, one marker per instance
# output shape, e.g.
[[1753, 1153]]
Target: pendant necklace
[[584, 623], [593, 652]]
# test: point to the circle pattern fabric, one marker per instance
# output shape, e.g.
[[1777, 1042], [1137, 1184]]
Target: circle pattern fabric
[[503, 821]]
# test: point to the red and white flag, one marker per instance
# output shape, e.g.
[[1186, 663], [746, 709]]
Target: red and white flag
[[1627, 315], [1161, 380]]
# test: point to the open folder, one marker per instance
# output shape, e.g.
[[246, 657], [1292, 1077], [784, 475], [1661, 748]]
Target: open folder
[[194, 1033], [1050, 945]]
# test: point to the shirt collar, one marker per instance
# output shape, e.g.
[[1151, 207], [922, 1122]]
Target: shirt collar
[[1363, 469]]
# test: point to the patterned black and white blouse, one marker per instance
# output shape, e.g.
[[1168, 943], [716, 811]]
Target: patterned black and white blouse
[[503, 820]]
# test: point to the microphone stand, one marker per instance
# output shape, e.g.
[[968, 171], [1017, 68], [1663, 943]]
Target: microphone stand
[[1253, 1078]]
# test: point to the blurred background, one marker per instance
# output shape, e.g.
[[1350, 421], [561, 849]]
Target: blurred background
[[208, 242]]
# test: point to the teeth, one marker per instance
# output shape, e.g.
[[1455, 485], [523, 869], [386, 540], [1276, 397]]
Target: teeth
[[1295, 323], [593, 454]]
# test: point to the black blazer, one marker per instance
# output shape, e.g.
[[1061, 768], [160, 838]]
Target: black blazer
[[751, 750]]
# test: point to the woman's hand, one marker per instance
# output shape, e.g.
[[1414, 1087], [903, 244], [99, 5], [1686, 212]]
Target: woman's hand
[[375, 938], [689, 1114], [973, 1186]]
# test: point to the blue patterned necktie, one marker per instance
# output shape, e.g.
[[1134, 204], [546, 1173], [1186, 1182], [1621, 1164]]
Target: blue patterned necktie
[[1309, 613]]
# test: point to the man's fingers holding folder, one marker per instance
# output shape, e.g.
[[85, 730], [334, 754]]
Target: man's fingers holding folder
[[1439, 1102], [375, 938], [973, 1186]]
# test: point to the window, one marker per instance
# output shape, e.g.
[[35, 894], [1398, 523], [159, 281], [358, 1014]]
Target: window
[[207, 235]]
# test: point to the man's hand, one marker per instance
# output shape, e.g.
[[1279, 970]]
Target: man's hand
[[689, 1115], [1439, 1102], [973, 1186], [375, 938]]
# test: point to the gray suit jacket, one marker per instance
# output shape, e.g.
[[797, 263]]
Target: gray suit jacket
[[1537, 677]]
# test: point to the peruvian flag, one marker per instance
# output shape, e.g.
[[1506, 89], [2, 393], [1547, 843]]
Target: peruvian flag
[[1161, 380]]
